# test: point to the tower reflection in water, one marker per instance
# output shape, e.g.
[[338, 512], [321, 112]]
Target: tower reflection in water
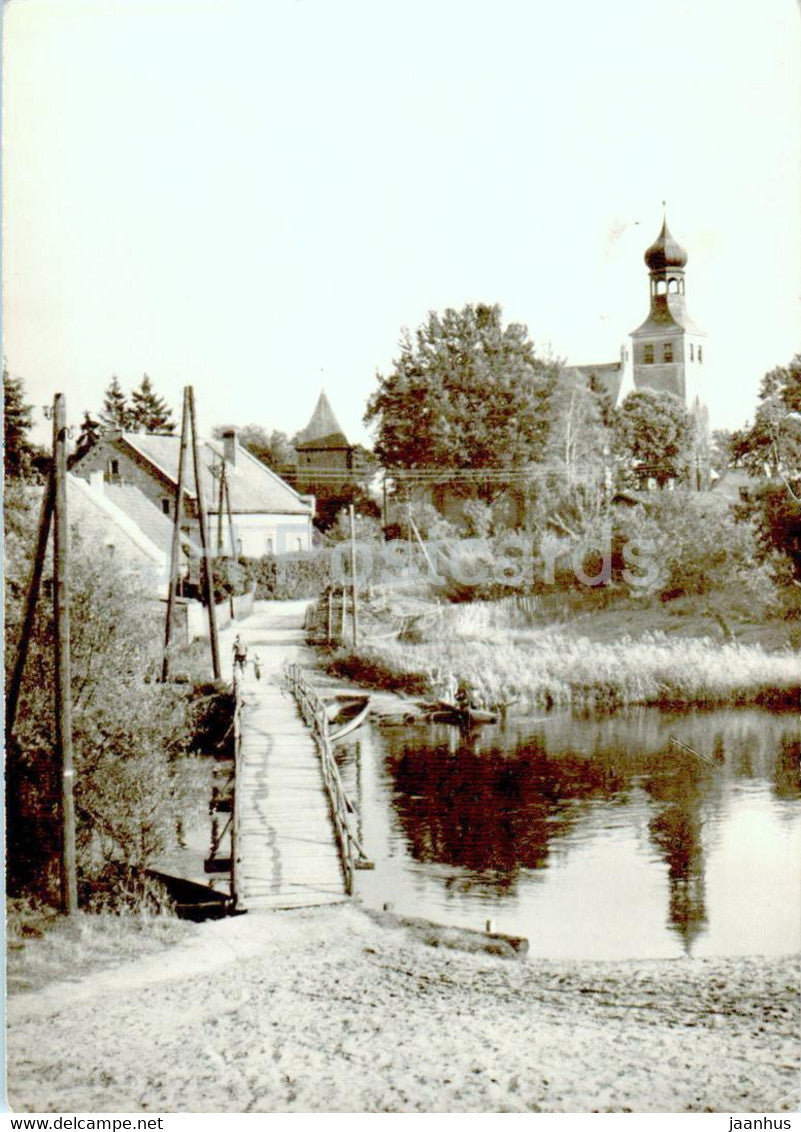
[[485, 810]]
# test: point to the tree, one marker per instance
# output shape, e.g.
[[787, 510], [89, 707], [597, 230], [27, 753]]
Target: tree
[[720, 455], [130, 732], [115, 412], [149, 412], [464, 393], [272, 448], [17, 422], [771, 446], [90, 431], [770, 449], [654, 436]]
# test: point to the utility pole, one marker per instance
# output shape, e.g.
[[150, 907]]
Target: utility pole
[[29, 612], [176, 540], [355, 606], [234, 548], [220, 497], [208, 588], [61, 612]]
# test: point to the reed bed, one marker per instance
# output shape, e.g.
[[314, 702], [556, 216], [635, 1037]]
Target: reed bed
[[489, 647]]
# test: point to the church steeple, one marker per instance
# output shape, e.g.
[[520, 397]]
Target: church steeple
[[668, 346], [666, 260], [668, 349]]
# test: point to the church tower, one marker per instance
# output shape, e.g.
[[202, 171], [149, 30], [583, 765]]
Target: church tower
[[668, 350]]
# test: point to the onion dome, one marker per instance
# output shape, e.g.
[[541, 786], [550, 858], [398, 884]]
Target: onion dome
[[665, 252]]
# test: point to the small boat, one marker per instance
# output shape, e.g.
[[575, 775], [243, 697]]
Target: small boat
[[346, 713], [445, 712]]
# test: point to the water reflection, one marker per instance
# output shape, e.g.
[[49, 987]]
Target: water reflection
[[501, 817]]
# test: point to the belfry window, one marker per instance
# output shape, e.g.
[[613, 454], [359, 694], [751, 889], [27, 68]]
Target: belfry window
[[648, 354], [667, 352], [692, 352], [700, 353]]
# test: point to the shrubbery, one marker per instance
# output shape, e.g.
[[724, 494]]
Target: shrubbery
[[130, 736]]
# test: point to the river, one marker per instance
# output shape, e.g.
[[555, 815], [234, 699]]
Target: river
[[644, 834]]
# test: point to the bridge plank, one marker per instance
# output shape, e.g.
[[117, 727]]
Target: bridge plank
[[288, 856]]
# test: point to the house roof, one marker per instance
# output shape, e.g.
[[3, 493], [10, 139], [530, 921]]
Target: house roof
[[154, 524], [253, 488], [323, 430], [85, 500], [608, 374]]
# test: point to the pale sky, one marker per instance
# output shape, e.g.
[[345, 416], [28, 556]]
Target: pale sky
[[254, 197]]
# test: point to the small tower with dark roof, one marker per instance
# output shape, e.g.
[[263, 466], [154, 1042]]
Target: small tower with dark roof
[[668, 348], [325, 459]]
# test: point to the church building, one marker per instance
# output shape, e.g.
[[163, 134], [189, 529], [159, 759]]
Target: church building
[[667, 352]]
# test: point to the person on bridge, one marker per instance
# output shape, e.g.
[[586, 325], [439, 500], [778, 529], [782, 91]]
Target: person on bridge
[[240, 654]]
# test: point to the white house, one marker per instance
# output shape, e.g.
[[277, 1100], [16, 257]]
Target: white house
[[267, 516]]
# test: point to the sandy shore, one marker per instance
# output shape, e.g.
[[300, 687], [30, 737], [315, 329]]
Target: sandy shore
[[328, 1011]]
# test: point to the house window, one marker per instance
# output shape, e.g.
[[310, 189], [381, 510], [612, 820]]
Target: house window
[[114, 469], [165, 506], [299, 542], [692, 352], [667, 352], [700, 353], [648, 354], [268, 545]]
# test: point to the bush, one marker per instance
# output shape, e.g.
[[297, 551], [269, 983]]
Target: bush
[[702, 551], [130, 736], [284, 579]]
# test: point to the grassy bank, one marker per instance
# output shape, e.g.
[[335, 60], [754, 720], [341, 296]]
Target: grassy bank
[[489, 646], [44, 947]]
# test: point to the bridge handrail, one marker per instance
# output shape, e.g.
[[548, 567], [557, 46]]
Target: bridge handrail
[[236, 823], [312, 709]]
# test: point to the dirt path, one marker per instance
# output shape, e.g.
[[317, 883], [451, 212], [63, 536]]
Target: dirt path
[[326, 1011]]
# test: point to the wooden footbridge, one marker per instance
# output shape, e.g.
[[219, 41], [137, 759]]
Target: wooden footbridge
[[293, 833]]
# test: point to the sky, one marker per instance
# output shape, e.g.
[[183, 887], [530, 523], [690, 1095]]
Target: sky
[[255, 198]]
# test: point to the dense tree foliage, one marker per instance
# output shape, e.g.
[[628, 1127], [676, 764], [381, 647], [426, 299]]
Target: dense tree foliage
[[115, 412], [653, 437], [771, 446], [88, 434], [130, 732], [272, 448], [465, 392], [770, 449], [149, 412], [19, 452]]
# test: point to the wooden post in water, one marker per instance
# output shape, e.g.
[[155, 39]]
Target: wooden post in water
[[355, 609], [175, 553], [330, 632], [61, 614], [344, 612], [208, 588]]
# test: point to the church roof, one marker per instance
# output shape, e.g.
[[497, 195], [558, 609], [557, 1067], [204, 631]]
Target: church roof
[[323, 430], [666, 311], [665, 251], [609, 376]]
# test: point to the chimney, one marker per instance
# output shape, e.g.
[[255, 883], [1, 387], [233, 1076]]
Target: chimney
[[229, 445]]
